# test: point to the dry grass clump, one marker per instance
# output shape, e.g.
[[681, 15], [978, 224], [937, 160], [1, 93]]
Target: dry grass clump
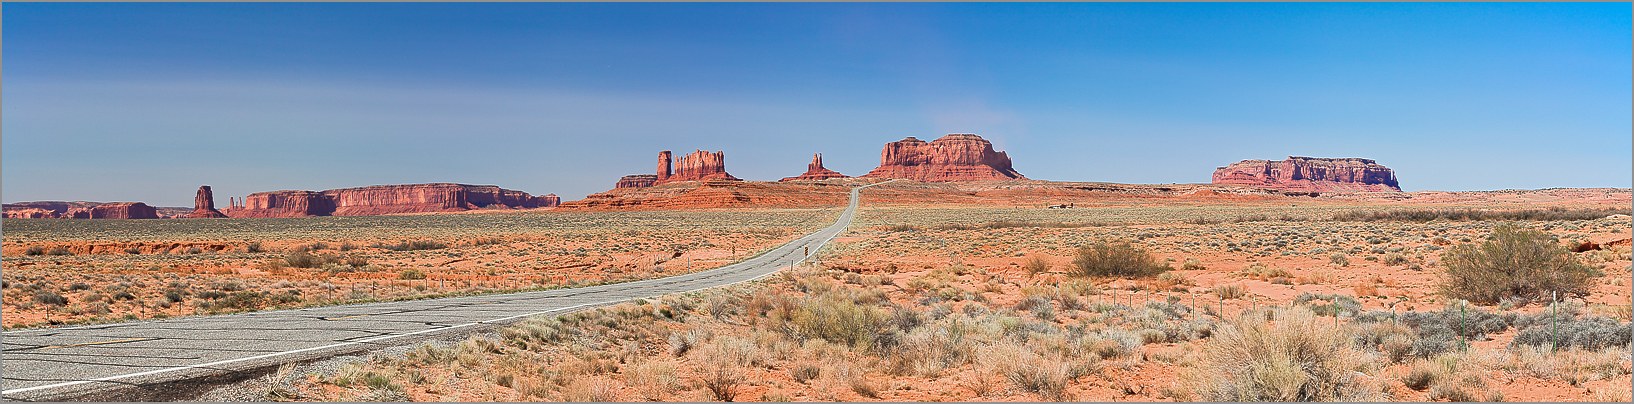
[[1116, 259], [1515, 262], [1296, 358]]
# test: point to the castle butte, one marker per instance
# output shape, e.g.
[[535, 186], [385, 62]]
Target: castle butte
[[386, 199], [815, 171], [698, 166], [1310, 174], [955, 157]]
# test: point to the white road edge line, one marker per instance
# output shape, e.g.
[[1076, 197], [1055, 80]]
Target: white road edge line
[[389, 336]]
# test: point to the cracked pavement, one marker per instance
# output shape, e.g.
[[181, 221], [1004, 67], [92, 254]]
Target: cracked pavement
[[59, 363]]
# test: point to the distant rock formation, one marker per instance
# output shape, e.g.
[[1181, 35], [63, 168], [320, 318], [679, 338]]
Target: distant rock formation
[[955, 157], [113, 210], [636, 181], [698, 166], [387, 199], [815, 171], [83, 210], [204, 204], [29, 213], [1310, 174]]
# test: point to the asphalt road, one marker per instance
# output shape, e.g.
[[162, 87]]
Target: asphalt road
[[64, 363]]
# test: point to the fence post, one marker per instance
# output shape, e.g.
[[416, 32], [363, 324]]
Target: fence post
[[1554, 321]]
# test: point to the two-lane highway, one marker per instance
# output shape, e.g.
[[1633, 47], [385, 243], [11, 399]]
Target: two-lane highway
[[75, 361]]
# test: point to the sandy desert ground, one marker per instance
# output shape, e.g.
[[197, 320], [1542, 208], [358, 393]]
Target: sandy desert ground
[[87, 271], [973, 292]]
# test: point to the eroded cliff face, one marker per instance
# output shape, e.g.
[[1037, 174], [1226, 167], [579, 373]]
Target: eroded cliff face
[[204, 204], [636, 181], [387, 199], [1310, 174], [955, 157], [815, 171]]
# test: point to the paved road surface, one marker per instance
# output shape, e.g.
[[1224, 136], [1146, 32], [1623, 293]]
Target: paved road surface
[[70, 362]]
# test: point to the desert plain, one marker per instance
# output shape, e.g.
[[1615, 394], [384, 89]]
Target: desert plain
[[938, 292]]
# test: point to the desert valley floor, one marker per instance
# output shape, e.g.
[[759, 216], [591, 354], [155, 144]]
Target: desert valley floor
[[938, 292]]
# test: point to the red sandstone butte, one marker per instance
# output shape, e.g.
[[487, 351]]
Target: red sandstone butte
[[204, 204], [955, 157], [698, 166], [1310, 174], [387, 199], [815, 171]]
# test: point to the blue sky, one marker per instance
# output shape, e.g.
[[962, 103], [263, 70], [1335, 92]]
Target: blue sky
[[147, 101]]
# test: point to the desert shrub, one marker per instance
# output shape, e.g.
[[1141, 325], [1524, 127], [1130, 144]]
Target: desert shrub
[[50, 298], [59, 250], [254, 247], [1036, 265], [1339, 259], [1590, 333], [1192, 264], [1395, 259], [721, 381], [1229, 291], [34, 250], [805, 372], [1334, 304], [356, 261], [839, 320], [411, 274], [303, 259], [1515, 262], [1115, 259], [1297, 358]]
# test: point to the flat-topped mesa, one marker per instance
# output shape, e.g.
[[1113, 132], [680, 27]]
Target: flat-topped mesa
[[636, 181], [815, 171], [955, 157], [697, 166], [204, 204], [113, 210], [1312, 174], [387, 199]]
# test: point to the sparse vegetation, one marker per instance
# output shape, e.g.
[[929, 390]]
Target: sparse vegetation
[[1115, 259], [1515, 262]]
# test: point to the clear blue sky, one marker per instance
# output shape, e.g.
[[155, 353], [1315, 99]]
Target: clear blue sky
[[145, 102]]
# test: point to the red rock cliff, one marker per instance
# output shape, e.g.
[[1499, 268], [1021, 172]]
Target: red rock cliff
[[387, 199], [1310, 174], [955, 157], [636, 181], [816, 171], [204, 204], [113, 210]]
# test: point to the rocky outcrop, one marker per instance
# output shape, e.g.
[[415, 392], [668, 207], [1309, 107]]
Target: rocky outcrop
[[815, 171], [29, 213], [387, 199], [1310, 174], [83, 210], [955, 157], [114, 210], [636, 181], [204, 204], [698, 166]]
